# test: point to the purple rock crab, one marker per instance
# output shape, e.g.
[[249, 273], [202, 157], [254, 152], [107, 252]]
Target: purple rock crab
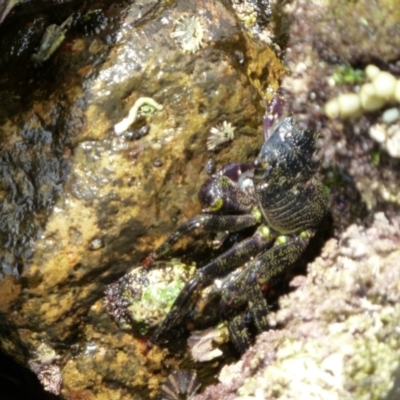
[[279, 194]]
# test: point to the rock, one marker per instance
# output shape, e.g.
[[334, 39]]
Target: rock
[[141, 299], [81, 204], [346, 31]]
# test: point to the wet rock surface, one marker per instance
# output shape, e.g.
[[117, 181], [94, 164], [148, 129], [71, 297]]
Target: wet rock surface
[[82, 204]]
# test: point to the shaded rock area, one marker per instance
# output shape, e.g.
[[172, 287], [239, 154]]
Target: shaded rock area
[[81, 204]]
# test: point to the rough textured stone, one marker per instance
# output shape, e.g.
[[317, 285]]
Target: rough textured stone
[[81, 204]]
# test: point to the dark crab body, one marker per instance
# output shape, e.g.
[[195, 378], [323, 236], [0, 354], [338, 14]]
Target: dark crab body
[[279, 194]]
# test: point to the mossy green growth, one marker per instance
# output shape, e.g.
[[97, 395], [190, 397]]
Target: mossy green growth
[[162, 296], [332, 178], [143, 297], [376, 156], [158, 292], [344, 74]]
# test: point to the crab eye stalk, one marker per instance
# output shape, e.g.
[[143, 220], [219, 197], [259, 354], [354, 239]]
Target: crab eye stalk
[[257, 163]]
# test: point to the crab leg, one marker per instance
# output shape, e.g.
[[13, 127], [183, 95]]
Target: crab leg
[[207, 222], [266, 267], [220, 266], [248, 288]]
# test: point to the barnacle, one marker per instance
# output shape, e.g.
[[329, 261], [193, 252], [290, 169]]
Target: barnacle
[[180, 384], [189, 33], [220, 134]]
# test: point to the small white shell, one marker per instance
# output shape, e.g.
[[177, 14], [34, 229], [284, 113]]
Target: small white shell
[[371, 71], [391, 115], [349, 105], [378, 133]]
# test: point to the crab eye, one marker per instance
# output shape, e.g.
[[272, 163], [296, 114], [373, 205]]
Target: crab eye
[[261, 169], [263, 173]]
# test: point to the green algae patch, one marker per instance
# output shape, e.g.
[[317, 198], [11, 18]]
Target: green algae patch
[[141, 299]]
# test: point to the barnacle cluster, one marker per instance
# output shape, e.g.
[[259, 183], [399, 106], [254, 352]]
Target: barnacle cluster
[[189, 33], [219, 135], [382, 88], [246, 12]]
